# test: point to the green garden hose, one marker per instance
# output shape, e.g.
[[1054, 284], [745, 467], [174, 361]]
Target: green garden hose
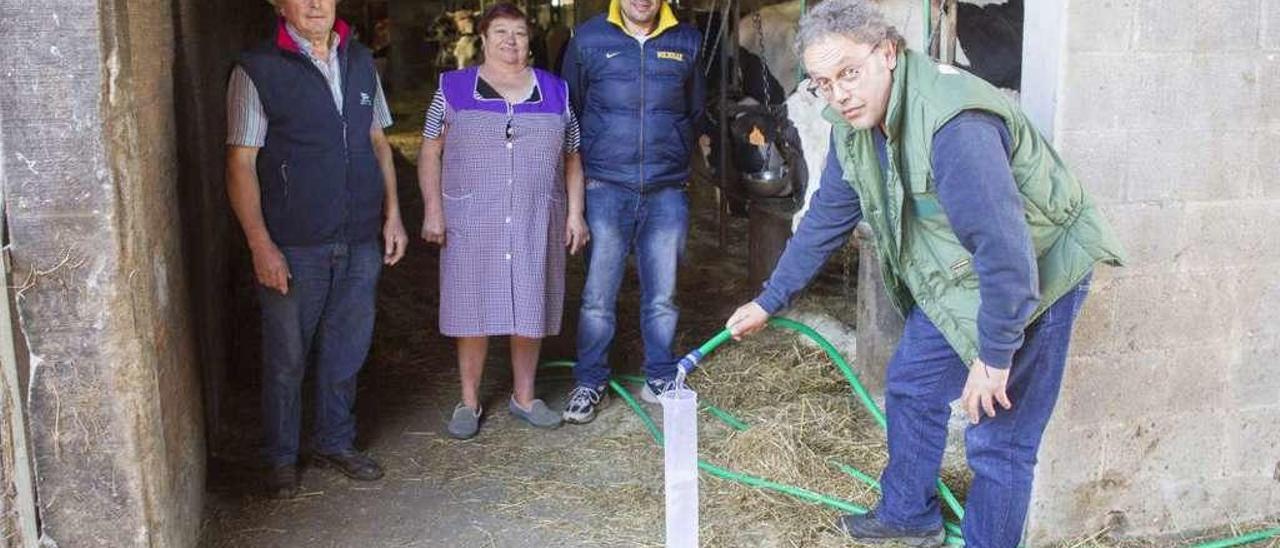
[[1248, 538], [690, 362]]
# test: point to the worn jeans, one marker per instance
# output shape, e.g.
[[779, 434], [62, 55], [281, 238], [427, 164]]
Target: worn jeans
[[653, 226], [924, 376], [326, 320]]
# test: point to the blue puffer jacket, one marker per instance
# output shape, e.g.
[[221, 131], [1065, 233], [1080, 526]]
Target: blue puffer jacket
[[637, 102]]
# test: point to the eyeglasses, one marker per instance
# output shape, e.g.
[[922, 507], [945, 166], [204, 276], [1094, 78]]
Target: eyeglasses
[[849, 77]]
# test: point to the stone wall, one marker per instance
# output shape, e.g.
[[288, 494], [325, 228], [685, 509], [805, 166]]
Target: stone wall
[[1170, 415]]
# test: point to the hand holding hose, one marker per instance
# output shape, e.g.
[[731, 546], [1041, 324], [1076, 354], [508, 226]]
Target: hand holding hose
[[747, 320]]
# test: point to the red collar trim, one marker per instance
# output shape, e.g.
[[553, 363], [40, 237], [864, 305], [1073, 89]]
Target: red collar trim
[[287, 43]]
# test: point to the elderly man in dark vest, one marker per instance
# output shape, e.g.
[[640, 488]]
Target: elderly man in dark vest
[[311, 179], [987, 244]]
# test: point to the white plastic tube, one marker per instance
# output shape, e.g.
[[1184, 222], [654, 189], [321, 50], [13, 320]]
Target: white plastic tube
[[680, 455]]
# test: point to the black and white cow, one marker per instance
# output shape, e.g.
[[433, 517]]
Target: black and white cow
[[990, 44]]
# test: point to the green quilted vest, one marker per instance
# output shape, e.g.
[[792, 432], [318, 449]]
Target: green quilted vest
[[922, 260]]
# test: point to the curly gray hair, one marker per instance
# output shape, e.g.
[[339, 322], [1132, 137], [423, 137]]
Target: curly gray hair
[[860, 20]]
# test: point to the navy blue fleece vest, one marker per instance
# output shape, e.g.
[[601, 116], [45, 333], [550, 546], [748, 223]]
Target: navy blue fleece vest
[[319, 178]]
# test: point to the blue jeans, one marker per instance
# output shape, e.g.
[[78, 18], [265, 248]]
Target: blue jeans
[[326, 319], [924, 376], [654, 226]]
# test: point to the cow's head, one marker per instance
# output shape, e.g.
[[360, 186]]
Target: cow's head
[[757, 153]]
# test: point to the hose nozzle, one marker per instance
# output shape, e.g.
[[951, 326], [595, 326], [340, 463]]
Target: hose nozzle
[[686, 365]]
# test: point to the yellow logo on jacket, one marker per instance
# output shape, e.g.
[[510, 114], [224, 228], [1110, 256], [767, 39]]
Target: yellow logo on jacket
[[672, 55]]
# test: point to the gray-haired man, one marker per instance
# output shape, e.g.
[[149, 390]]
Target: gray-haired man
[[986, 242], [310, 177]]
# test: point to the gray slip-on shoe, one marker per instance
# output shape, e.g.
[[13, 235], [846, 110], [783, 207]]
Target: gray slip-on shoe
[[465, 422], [538, 414]]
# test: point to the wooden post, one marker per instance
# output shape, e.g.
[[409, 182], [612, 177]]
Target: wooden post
[[722, 218], [728, 36], [879, 325], [13, 423], [767, 237], [950, 13]]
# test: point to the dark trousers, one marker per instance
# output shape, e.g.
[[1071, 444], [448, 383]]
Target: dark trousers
[[925, 375], [325, 321]]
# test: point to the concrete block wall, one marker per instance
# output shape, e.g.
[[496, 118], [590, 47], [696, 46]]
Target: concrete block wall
[[1169, 420], [90, 165]]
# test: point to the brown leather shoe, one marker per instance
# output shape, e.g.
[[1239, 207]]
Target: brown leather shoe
[[282, 482], [354, 465]]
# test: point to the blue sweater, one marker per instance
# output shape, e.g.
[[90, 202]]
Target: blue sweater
[[975, 185]]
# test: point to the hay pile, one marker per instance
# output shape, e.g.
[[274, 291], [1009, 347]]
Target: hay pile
[[601, 484], [802, 421]]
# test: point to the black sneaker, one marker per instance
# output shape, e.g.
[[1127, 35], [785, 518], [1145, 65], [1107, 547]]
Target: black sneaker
[[584, 403], [868, 529], [352, 464], [282, 482], [656, 387]]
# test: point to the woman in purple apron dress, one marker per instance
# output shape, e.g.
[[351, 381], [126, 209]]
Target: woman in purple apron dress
[[503, 188]]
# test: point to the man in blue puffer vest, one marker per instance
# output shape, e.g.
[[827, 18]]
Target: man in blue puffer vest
[[311, 179], [637, 89]]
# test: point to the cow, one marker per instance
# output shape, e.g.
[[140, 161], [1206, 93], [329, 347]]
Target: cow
[[466, 50], [767, 78]]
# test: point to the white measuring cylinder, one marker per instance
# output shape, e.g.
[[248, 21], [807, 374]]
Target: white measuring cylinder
[[680, 456]]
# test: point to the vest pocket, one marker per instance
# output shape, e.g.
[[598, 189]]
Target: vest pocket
[[273, 180], [963, 275]]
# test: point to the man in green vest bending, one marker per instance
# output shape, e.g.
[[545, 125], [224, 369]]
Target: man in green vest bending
[[986, 242]]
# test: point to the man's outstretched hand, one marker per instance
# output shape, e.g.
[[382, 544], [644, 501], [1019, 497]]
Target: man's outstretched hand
[[748, 319]]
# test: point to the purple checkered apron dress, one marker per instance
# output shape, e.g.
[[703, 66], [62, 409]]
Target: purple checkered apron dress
[[502, 266]]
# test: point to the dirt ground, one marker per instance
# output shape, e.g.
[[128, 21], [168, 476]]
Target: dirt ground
[[512, 485], [593, 485]]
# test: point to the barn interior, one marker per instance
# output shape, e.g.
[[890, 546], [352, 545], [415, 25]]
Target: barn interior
[[589, 485], [136, 347], [595, 484]]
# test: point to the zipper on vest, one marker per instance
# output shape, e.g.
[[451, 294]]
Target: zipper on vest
[[345, 74], [284, 176]]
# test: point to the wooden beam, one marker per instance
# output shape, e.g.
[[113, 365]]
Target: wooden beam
[[13, 422]]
